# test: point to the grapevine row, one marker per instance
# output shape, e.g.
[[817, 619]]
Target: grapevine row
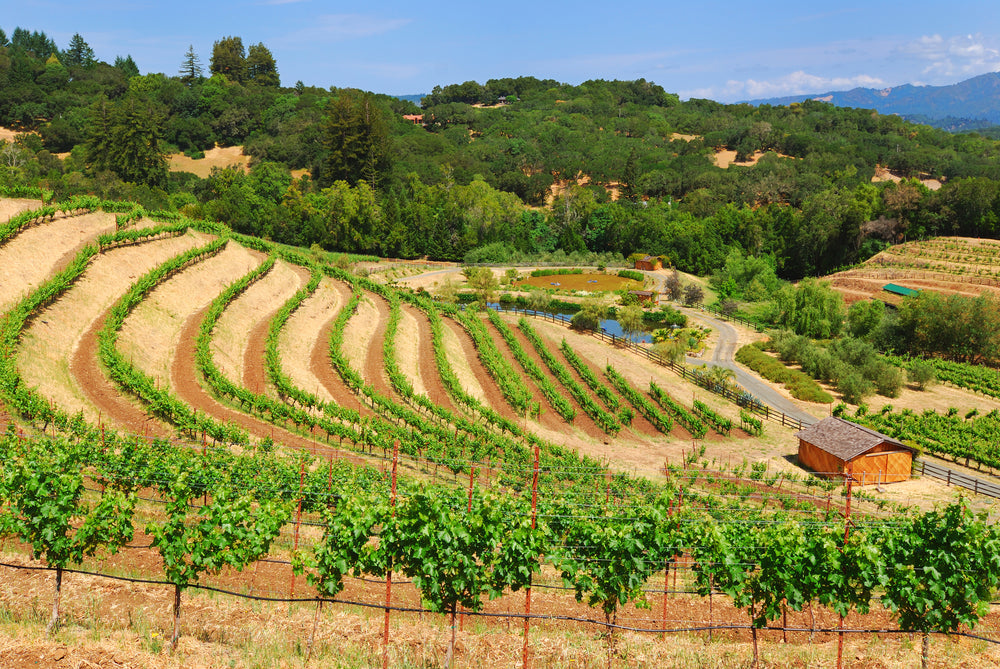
[[660, 421], [549, 390], [591, 379], [602, 418], [507, 378], [691, 423], [160, 401], [719, 424]]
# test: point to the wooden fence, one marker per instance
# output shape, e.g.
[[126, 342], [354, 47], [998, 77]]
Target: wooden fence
[[952, 477]]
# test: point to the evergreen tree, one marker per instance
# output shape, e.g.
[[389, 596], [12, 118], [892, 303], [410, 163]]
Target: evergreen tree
[[3, 38], [127, 66], [356, 139], [79, 52], [125, 139], [229, 58], [260, 66], [37, 43], [191, 69]]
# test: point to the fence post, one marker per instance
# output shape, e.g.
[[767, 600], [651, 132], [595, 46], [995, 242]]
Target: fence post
[[527, 592], [298, 521], [388, 574], [847, 535]]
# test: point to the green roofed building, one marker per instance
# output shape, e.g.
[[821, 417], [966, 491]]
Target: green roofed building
[[900, 290]]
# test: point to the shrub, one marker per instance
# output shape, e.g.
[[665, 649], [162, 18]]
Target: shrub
[[921, 373], [853, 387], [631, 274], [887, 379]]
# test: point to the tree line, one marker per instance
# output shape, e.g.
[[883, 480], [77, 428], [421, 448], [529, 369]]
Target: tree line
[[515, 165]]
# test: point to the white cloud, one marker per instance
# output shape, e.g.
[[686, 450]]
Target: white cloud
[[795, 83], [957, 56]]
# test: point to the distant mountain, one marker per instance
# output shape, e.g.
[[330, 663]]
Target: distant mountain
[[962, 106], [415, 99]]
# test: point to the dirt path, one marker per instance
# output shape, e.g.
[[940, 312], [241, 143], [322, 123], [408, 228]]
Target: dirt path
[[51, 342], [491, 391], [408, 346], [549, 419], [582, 421], [373, 369], [302, 334], [361, 329], [328, 377], [232, 335], [38, 252], [113, 406], [152, 331], [183, 378], [428, 370]]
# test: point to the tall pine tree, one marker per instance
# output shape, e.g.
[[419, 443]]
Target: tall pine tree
[[356, 140], [191, 70], [125, 139]]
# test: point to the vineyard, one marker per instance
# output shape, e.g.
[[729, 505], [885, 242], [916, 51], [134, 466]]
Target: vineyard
[[945, 264], [201, 427]]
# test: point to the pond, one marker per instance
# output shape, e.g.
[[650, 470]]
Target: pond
[[609, 326]]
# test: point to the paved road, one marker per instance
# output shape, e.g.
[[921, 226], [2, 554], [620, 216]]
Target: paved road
[[722, 356]]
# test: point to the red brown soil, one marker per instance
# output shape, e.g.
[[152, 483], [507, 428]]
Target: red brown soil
[[429, 372], [627, 433], [548, 418], [254, 367], [103, 393], [374, 371], [328, 376], [581, 421], [640, 425], [225, 621], [494, 398], [588, 282], [184, 375]]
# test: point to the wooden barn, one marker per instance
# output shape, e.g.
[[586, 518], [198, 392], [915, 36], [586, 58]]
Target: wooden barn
[[833, 445], [649, 263]]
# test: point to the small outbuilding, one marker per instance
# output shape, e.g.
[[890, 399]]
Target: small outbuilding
[[834, 446], [649, 263], [645, 296]]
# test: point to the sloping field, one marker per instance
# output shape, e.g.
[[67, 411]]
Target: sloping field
[[297, 381], [960, 265]]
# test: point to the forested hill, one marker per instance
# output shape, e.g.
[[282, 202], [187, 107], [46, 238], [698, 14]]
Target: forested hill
[[510, 167]]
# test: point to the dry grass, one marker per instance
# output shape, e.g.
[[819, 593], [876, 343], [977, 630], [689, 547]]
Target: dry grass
[[37, 251], [302, 331], [408, 351], [219, 157], [50, 341], [152, 331], [232, 333], [359, 332]]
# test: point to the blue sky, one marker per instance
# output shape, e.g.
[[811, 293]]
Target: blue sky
[[720, 49]]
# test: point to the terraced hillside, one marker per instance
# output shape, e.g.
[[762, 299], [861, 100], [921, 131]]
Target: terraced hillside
[[960, 265], [221, 379], [305, 354]]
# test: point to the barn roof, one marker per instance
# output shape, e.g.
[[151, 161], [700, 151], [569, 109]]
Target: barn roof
[[900, 290], [845, 439]]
